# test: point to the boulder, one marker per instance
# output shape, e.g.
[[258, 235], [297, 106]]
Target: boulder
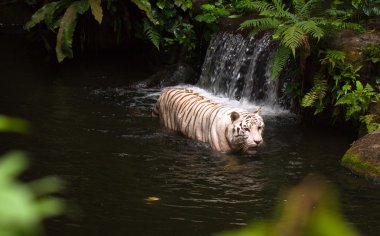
[[363, 158], [171, 75]]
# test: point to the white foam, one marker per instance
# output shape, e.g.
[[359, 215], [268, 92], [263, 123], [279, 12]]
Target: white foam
[[266, 110]]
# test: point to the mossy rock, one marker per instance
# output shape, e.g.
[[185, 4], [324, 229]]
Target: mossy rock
[[363, 158]]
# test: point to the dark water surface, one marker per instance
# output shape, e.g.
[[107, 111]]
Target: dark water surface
[[100, 138]]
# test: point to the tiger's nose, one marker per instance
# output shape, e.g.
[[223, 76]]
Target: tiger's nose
[[257, 142]]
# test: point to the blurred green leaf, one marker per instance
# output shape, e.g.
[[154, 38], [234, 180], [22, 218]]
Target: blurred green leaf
[[309, 209], [21, 210], [12, 124]]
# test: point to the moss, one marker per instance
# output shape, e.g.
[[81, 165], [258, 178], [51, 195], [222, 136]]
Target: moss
[[355, 163]]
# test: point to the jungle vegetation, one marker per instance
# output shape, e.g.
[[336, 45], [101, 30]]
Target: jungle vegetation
[[300, 27]]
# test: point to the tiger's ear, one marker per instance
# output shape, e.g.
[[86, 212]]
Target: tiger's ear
[[258, 111], [234, 116]]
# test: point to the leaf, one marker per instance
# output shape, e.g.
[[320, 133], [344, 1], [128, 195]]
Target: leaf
[[184, 4], [152, 34], [312, 28], [96, 10], [356, 3], [293, 38], [66, 29], [347, 99], [346, 87], [145, 6], [207, 7], [41, 14], [279, 61], [261, 23], [208, 18], [259, 6], [11, 165], [152, 199], [12, 124], [306, 9], [234, 16], [317, 92], [359, 85]]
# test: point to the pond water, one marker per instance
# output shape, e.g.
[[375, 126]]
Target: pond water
[[98, 136]]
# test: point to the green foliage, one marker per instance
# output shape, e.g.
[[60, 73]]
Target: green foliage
[[46, 14], [367, 7], [147, 8], [96, 10], [175, 27], [14, 125], [66, 30], [152, 34], [333, 57], [370, 122], [372, 52], [309, 209], [315, 97], [348, 95], [212, 12], [162, 22], [23, 206], [280, 60], [63, 15], [296, 26], [356, 99]]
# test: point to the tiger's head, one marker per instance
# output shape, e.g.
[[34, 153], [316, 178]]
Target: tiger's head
[[244, 134]]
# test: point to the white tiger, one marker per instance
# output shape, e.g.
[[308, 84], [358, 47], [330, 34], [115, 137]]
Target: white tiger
[[225, 129]]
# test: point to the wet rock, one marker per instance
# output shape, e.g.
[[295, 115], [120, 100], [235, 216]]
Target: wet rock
[[169, 76], [363, 158]]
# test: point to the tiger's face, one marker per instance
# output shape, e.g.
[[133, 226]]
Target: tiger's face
[[244, 134]]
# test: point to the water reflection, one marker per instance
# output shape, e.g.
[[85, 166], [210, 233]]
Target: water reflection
[[114, 155]]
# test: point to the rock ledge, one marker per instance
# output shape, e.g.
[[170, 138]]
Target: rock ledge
[[363, 158]]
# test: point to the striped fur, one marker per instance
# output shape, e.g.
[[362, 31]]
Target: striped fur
[[225, 129]]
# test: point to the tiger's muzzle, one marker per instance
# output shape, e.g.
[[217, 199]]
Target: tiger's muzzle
[[251, 148]]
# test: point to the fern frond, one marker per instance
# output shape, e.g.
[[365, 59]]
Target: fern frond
[[145, 6], [307, 7], [152, 34], [339, 25], [42, 14], [317, 92], [279, 61], [281, 9], [338, 13], [298, 5], [333, 57], [293, 38], [336, 55], [63, 47], [278, 32], [265, 23], [97, 10], [349, 25], [311, 28], [258, 5]]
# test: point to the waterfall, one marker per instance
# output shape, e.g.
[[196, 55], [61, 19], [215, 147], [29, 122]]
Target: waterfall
[[239, 68]]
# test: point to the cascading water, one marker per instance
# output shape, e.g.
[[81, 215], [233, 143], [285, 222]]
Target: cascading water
[[239, 68]]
